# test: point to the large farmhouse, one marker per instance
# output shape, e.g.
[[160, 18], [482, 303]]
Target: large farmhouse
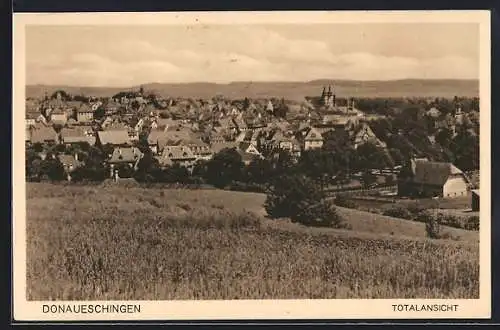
[[433, 179]]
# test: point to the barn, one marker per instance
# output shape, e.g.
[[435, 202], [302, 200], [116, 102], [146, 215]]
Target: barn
[[435, 179], [475, 200]]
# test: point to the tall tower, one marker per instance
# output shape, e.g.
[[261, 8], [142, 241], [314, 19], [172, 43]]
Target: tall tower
[[334, 101]]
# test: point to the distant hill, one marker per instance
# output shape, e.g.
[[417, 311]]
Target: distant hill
[[288, 90]]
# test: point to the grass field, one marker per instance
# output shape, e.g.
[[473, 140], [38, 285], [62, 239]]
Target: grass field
[[133, 243]]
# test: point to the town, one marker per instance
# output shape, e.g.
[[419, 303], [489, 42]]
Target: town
[[381, 149]]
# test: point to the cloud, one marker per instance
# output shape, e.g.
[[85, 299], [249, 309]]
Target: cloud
[[224, 55]]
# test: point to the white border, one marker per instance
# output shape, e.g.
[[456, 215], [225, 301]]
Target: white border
[[250, 309]]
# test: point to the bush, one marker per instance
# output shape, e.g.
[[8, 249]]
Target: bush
[[398, 212], [433, 228], [322, 214], [451, 221], [425, 217], [247, 187], [298, 198], [472, 223], [344, 201], [415, 208]]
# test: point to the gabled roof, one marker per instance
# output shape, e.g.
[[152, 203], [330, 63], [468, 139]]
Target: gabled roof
[[217, 147], [433, 173], [433, 112], [178, 153], [84, 108], [42, 133], [313, 135], [69, 162], [116, 126], [114, 137], [58, 111], [247, 157], [32, 115], [80, 139], [125, 155]]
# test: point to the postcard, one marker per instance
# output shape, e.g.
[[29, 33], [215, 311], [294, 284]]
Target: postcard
[[251, 165]]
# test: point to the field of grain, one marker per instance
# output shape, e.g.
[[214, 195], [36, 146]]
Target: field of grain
[[117, 243]]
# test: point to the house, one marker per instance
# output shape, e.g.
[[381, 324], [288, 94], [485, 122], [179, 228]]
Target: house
[[70, 164], [433, 113], [157, 140], [180, 155], [200, 149], [58, 115], [31, 118], [42, 134], [240, 123], [113, 137], [218, 147], [248, 148], [280, 141], [364, 134], [77, 135], [165, 124], [431, 179], [215, 137], [85, 113], [475, 200], [313, 139], [124, 157], [247, 158]]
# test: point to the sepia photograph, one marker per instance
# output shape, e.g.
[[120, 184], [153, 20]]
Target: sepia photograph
[[212, 158]]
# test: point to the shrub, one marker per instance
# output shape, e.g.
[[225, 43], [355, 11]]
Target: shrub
[[450, 220], [433, 228], [415, 208], [322, 214], [425, 217], [298, 198], [344, 201], [472, 223], [398, 212]]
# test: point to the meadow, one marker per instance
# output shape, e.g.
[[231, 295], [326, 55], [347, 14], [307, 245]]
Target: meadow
[[112, 242]]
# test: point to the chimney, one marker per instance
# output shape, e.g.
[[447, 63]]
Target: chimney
[[76, 156]]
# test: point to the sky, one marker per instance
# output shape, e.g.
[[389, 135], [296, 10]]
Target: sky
[[118, 56]]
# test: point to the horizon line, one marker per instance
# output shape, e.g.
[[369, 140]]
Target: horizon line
[[255, 81]]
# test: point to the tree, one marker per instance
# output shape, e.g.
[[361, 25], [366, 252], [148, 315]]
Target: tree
[[432, 226], [318, 165], [370, 156], [52, 168], [225, 167], [397, 156], [32, 165], [148, 168], [259, 171], [368, 179], [298, 198], [99, 113], [465, 148], [64, 95], [444, 137], [176, 174], [93, 168]]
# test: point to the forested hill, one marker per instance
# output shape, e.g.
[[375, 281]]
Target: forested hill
[[287, 90]]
